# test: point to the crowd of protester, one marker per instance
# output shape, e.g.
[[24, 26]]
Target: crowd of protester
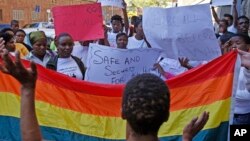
[[66, 56]]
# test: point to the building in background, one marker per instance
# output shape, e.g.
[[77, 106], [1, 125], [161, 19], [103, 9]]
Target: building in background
[[28, 11]]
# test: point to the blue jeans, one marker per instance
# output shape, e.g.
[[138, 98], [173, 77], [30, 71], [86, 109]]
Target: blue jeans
[[241, 119]]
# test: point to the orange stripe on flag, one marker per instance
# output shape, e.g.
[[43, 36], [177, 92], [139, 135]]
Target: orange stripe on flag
[[201, 94]]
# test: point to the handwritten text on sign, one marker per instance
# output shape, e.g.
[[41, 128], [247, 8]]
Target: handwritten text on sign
[[182, 32], [82, 22], [116, 66], [117, 3]]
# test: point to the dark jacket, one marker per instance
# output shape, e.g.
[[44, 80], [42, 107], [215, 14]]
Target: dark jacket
[[52, 64]]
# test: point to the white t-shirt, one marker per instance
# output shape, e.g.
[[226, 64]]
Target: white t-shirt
[[232, 29], [242, 97], [81, 52], [134, 43], [68, 66], [112, 39]]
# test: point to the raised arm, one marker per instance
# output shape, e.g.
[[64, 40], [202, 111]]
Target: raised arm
[[105, 41], [235, 13], [30, 130], [216, 18], [125, 15], [194, 126]]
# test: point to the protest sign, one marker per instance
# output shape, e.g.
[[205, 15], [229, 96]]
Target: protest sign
[[117, 66], [182, 32], [222, 2], [192, 2], [82, 22], [116, 3]]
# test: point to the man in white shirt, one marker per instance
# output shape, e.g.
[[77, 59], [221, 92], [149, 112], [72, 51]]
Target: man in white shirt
[[232, 20]]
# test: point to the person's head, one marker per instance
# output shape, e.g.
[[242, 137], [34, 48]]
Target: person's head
[[138, 29], [9, 41], [229, 18], [64, 43], [240, 41], [38, 41], [243, 24], [116, 22], [134, 19], [8, 31], [20, 35], [14, 24], [225, 37], [223, 24], [145, 104], [122, 40]]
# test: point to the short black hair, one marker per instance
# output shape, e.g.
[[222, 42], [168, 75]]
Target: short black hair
[[134, 19], [63, 34], [7, 29], [229, 16], [243, 17], [20, 30], [226, 37], [146, 103], [245, 37], [14, 22], [117, 18], [6, 37], [121, 34], [137, 23]]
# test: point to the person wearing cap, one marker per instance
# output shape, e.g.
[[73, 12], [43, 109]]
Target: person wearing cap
[[39, 54]]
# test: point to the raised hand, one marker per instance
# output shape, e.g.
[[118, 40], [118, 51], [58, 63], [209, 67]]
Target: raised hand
[[27, 77], [245, 58], [184, 62], [194, 126]]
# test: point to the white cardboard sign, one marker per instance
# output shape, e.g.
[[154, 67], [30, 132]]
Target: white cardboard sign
[[117, 66], [182, 32], [116, 3], [222, 2]]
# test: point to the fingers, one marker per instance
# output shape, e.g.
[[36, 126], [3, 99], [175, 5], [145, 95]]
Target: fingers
[[193, 121], [242, 52], [9, 65], [3, 69], [33, 68], [200, 123]]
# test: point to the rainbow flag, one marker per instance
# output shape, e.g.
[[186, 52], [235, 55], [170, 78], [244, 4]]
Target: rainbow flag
[[70, 109]]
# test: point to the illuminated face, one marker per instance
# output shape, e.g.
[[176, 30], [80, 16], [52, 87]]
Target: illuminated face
[[122, 42], [238, 43], [139, 30], [222, 27], [117, 26], [243, 25], [10, 46], [15, 26], [65, 46], [39, 47], [20, 37], [229, 21]]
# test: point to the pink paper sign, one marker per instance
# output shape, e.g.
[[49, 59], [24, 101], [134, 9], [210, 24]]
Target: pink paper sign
[[82, 22]]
